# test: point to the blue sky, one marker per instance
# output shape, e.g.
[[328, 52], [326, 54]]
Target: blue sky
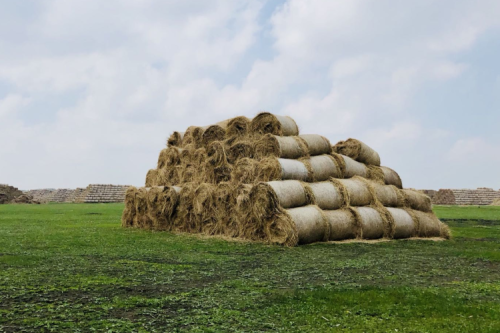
[[90, 90]]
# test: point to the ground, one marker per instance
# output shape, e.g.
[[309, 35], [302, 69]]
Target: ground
[[71, 267]]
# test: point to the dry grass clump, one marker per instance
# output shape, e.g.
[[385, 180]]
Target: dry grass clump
[[245, 171], [151, 178]]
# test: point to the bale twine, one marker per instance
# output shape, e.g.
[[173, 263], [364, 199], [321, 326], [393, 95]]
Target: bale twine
[[310, 223], [240, 150], [142, 219], [391, 177], [204, 208], [238, 127], [292, 147], [151, 177], [326, 195], [316, 144], [267, 198], [404, 225], [417, 200], [129, 211], [324, 167], [175, 139], [358, 151], [428, 224], [244, 171], [266, 122], [355, 191], [354, 168], [371, 222], [213, 133], [343, 224], [340, 162], [281, 169]]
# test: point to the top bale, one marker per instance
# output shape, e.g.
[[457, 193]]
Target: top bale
[[266, 122], [358, 151]]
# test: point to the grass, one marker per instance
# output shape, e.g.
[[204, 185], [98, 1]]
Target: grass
[[71, 267]]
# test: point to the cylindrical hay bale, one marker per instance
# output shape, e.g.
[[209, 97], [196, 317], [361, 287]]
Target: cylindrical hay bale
[[388, 195], [142, 219], [404, 226], [316, 144], [186, 154], [342, 223], [185, 219], [326, 195], [266, 122], [357, 190], [175, 140], [162, 159], [391, 177], [428, 224], [213, 133], [240, 150], [375, 174], [151, 177], [282, 169], [245, 171], [217, 154], [324, 167], [358, 151], [268, 198], [371, 222], [269, 145], [172, 157], [225, 205], [129, 211], [204, 208], [354, 168], [243, 211], [281, 230], [162, 202], [193, 136], [311, 224], [417, 200], [238, 127]]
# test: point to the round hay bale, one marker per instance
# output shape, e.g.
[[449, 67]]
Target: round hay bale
[[240, 150], [428, 224], [199, 157], [185, 219], [186, 154], [268, 198], [281, 230], [324, 167], [243, 211], [216, 153], [358, 192], [316, 144], [371, 223], [193, 136], [358, 151], [326, 195], [151, 178], [391, 177], [388, 195], [162, 159], [343, 224], [213, 133], [162, 202], [141, 219], [129, 211], [266, 122], [175, 139], [225, 204], [245, 171], [172, 157], [204, 208], [404, 226], [238, 127], [375, 174], [281, 169], [291, 147], [310, 223], [417, 200], [354, 168]]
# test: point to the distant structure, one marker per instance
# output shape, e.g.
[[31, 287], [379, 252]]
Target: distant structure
[[94, 193], [481, 196]]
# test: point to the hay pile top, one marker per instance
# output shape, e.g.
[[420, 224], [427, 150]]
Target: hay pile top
[[262, 180]]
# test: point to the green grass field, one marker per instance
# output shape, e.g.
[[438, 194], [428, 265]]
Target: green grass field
[[71, 267]]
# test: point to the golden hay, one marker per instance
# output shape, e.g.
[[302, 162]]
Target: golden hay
[[129, 212], [281, 169], [238, 127], [213, 133], [141, 219], [316, 144], [324, 167], [417, 200], [404, 226], [240, 150], [269, 145], [193, 136], [358, 151], [371, 222], [244, 171], [343, 224], [204, 208], [311, 224], [266, 122], [151, 178], [391, 177], [175, 140], [326, 195]]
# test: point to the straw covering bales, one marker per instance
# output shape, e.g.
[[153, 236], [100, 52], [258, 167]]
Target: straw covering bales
[[260, 179]]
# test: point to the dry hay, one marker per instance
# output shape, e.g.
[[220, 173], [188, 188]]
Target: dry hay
[[376, 174], [281, 230], [268, 198], [162, 203], [391, 177], [281, 169], [152, 178], [358, 151], [193, 136], [324, 167], [266, 122], [389, 195], [141, 218], [342, 224], [243, 209], [310, 223], [239, 150], [185, 219], [238, 127], [213, 133], [244, 171], [496, 202], [430, 226], [24, 199], [371, 222], [356, 191], [417, 200], [216, 153], [129, 212], [225, 203], [269, 145], [175, 140], [204, 209], [404, 225], [316, 144], [353, 168], [327, 196]]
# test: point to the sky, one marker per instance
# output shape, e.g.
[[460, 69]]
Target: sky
[[90, 90]]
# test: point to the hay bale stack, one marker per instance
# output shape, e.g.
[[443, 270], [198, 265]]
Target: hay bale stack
[[260, 180]]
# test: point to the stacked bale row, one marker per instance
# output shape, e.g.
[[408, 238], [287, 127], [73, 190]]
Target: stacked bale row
[[260, 180]]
